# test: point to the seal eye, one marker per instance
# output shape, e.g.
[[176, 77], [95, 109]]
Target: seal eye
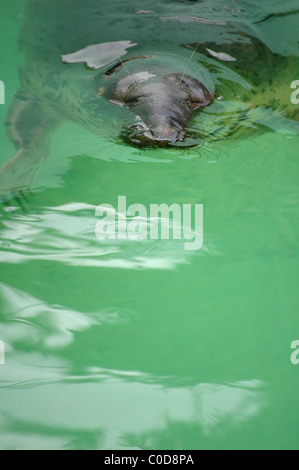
[[125, 88], [132, 100], [194, 105]]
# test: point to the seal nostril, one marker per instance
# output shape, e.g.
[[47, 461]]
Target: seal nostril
[[168, 136], [141, 136], [162, 133]]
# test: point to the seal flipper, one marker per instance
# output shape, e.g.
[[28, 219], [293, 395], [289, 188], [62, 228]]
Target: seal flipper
[[252, 57], [265, 70], [28, 123]]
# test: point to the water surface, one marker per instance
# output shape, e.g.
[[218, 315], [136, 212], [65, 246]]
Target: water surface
[[143, 345]]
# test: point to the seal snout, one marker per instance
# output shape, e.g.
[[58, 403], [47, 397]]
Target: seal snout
[[163, 136], [142, 136]]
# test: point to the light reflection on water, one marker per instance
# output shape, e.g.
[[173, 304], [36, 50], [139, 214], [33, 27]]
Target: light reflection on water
[[116, 409], [32, 321], [66, 234]]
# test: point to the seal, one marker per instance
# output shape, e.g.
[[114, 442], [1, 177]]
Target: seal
[[163, 103]]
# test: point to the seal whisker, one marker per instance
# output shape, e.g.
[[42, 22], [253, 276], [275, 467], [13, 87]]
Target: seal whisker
[[129, 74], [123, 64], [112, 75], [184, 71], [206, 65]]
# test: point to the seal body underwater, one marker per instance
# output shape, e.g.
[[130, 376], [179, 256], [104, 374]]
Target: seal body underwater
[[134, 58]]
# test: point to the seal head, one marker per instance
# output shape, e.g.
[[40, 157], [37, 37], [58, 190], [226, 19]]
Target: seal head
[[163, 106]]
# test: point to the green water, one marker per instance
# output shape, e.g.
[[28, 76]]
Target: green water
[[144, 345]]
